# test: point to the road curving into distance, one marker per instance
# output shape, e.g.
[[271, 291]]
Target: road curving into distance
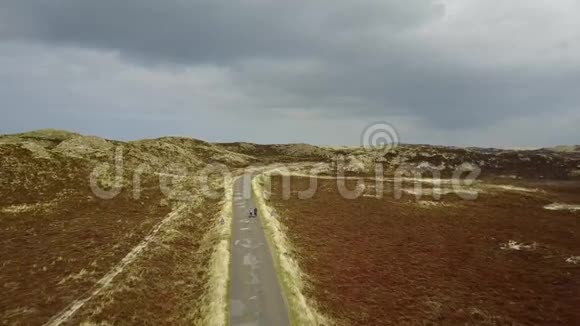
[[256, 296]]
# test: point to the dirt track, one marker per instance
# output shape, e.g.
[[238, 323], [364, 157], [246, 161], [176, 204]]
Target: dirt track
[[52, 256], [61, 245]]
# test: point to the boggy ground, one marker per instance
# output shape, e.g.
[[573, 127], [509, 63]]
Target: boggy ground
[[390, 262]]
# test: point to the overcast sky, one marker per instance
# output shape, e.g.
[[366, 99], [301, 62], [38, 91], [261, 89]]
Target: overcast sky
[[500, 73]]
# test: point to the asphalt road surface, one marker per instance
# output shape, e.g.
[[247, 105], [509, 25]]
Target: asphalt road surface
[[255, 294]]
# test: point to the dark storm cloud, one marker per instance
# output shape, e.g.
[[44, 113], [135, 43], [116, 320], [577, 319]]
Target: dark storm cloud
[[359, 58], [202, 31], [443, 94]]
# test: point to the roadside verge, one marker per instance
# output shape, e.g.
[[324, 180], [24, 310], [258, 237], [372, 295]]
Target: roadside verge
[[215, 303], [303, 311]]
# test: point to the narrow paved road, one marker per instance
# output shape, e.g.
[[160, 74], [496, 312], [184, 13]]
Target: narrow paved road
[[255, 295]]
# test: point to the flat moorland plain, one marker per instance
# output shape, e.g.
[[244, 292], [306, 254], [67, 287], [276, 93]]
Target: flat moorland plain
[[165, 285], [130, 259], [496, 260], [160, 257], [57, 239]]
